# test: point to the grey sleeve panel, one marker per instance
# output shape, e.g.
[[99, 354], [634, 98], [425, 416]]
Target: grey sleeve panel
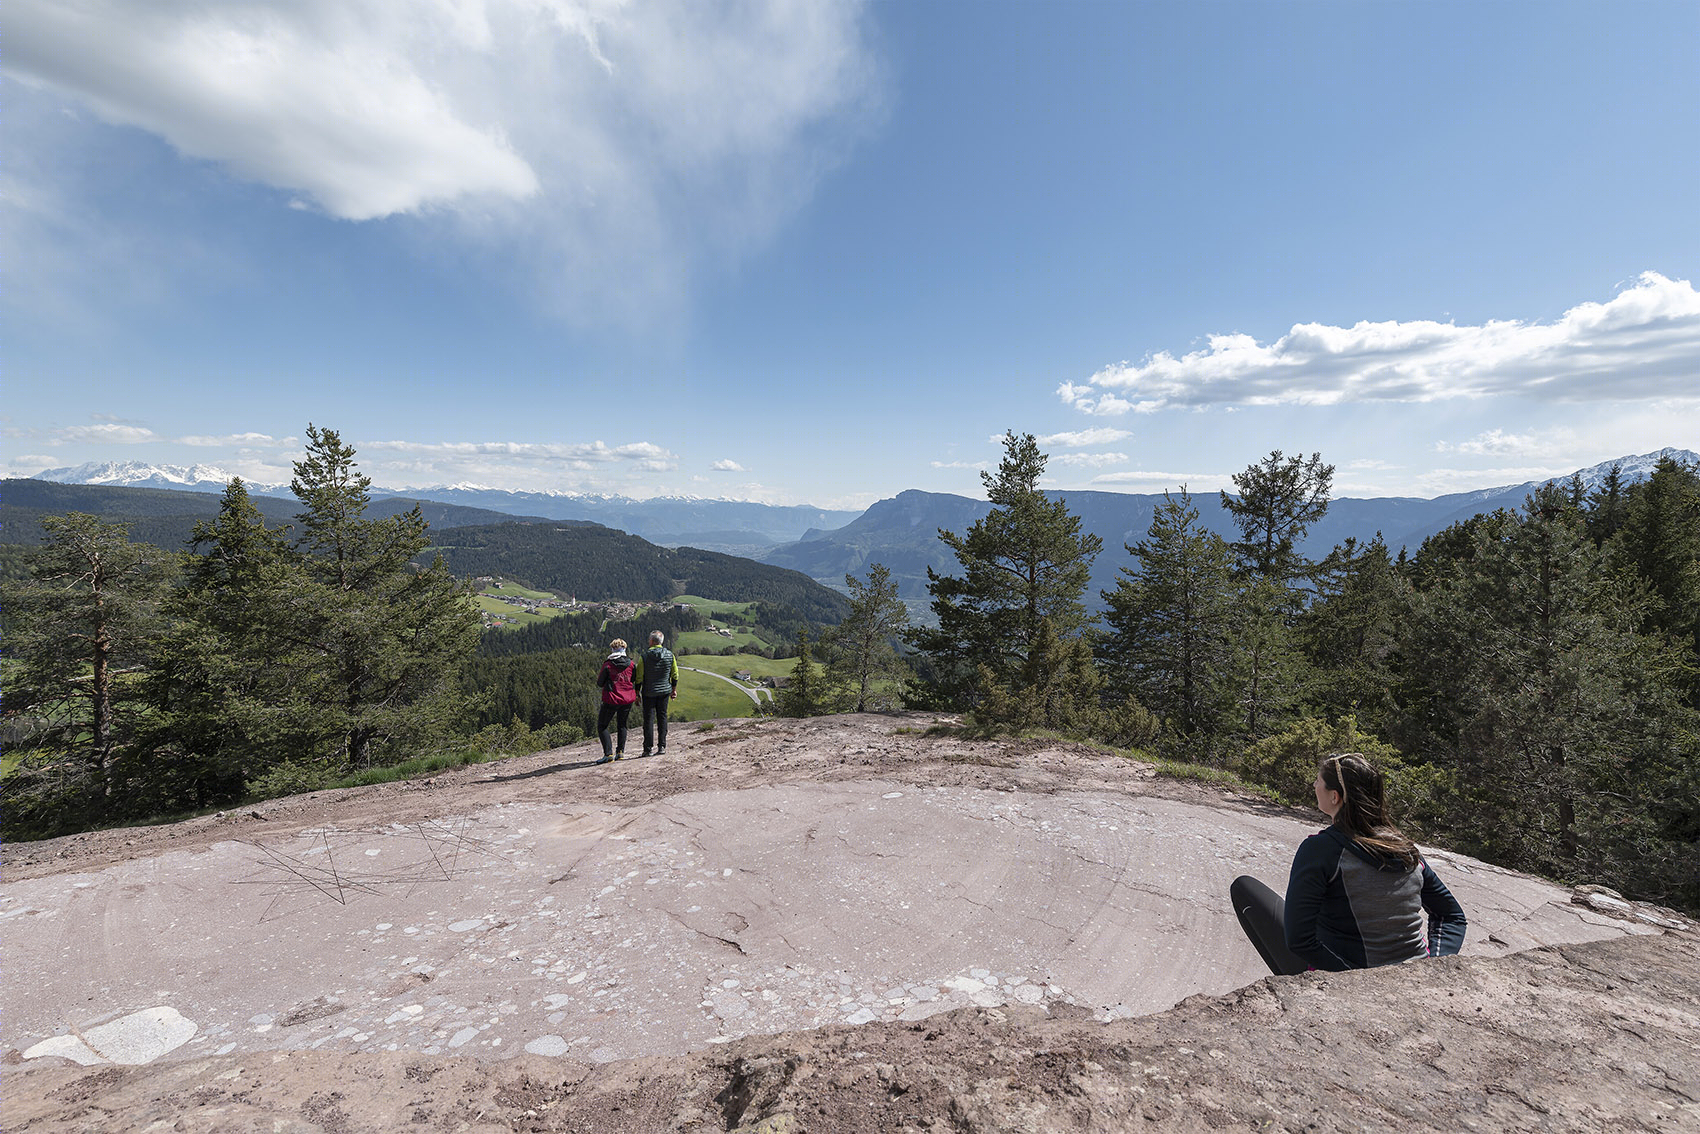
[[1387, 905]]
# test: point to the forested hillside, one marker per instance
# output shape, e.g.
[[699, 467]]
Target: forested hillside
[[596, 564], [1529, 680], [166, 517], [902, 532]]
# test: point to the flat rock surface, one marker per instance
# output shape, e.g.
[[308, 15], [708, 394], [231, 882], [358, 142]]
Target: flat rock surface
[[849, 912]]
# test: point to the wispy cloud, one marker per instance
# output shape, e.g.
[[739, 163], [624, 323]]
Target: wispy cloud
[[1091, 460], [106, 433], [1166, 481], [107, 430], [239, 440], [605, 139], [976, 465], [578, 455], [1644, 343], [727, 466], [1084, 437], [1499, 443]]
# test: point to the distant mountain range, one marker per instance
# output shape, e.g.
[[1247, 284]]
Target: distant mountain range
[[734, 527], [901, 533]]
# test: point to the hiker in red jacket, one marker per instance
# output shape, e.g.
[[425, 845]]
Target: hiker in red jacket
[[619, 694]]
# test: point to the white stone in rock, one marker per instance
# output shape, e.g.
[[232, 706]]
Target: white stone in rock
[[553, 1046], [466, 926], [65, 1047], [140, 1037], [861, 1016]]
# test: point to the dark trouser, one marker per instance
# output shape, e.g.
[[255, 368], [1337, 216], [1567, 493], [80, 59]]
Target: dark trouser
[[607, 715], [655, 721], [1262, 915]]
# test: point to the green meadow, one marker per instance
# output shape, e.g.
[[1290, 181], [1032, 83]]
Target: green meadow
[[489, 600]]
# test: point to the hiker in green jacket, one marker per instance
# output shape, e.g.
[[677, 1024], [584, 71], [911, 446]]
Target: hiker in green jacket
[[657, 681]]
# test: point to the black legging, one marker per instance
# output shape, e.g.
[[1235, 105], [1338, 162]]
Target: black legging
[[1262, 914], [606, 716]]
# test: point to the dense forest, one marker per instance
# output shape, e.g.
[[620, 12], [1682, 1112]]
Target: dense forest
[[596, 564], [1530, 680]]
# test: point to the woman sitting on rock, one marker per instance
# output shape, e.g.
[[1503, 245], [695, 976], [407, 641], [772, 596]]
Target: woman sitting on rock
[[1358, 890]]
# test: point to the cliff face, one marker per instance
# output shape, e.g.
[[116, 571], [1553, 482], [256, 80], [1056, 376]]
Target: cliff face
[[844, 924]]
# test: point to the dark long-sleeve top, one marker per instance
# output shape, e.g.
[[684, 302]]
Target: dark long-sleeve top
[[1351, 908]]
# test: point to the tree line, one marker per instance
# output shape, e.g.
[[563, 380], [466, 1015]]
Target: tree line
[[1530, 679], [141, 682]]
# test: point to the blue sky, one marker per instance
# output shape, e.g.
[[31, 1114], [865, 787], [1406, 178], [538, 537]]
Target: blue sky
[[821, 253]]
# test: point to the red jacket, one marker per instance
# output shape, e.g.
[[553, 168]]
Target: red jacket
[[615, 681]]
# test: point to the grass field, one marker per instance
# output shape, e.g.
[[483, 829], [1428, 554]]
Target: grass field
[[709, 640], [714, 608], [514, 591], [728, 614], [490, 602], [757, 665], [705, 698]]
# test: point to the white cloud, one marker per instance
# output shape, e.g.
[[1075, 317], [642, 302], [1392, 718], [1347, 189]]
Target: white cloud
[[1642, 344], [332, 100], [244, 440], [976, 465], [1168, 481], [107, 433], [583, 455], [1499, 443], [1083, 437], [616, 143], [727, 466], [1092, 460]]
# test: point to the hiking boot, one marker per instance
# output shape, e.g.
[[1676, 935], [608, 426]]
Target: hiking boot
[[647, 753], [605, 758], [661, 752], [619, 755]]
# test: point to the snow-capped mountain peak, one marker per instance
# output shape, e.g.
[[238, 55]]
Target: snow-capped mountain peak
[[139, 474]]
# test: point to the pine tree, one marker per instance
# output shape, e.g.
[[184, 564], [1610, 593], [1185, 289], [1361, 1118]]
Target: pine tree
[[1025, 563], [803, 696], [238, 688], [861, 655], [1525, 679], [83, 633], [1278, 500], [1608, 506], [1660, 541], [1351, 631], [1171, 620], [391, 637]]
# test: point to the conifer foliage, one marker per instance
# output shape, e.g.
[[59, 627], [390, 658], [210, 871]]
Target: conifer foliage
[[1024, 570], [861, 651], [271, 662], [80, 631]]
